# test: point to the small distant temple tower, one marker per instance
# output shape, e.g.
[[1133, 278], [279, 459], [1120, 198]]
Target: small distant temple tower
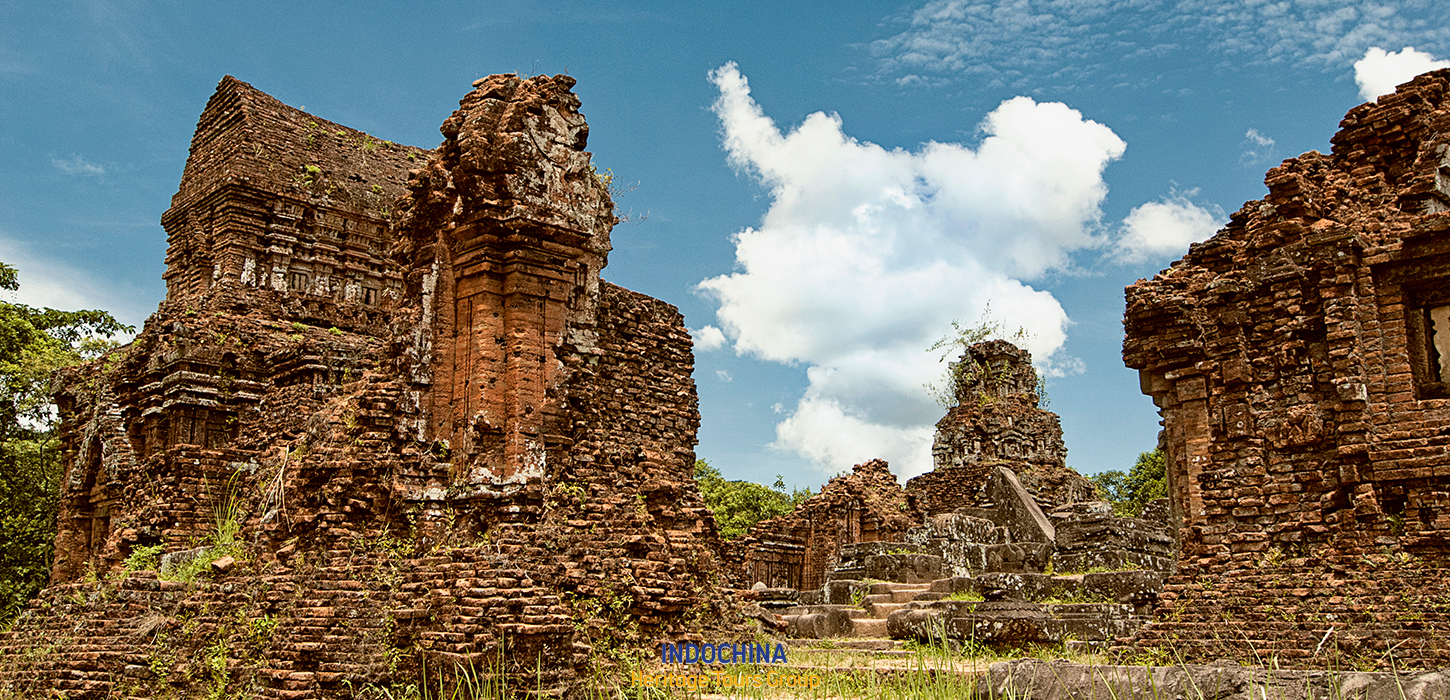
[[997, 422]]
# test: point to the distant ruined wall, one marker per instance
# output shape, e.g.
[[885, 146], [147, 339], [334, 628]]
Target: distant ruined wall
[[1297, 359], [797, 550], [447, 440]]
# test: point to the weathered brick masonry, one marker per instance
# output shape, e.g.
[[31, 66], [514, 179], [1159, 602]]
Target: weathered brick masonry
[[798, 549], [997, 421], [1298, 360], [446, 438]]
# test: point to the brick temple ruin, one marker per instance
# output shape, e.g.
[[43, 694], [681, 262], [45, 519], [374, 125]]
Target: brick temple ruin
[[1300, 360], [1001, 520], [397, 373], [797, 550], [389, 385], [996, 422]]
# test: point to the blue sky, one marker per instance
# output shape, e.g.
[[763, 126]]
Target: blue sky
[[827, 186]]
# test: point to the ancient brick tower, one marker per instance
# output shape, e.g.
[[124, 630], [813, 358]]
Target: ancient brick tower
[[506, 232], [997, 421], [442, 437], [1297, 359]]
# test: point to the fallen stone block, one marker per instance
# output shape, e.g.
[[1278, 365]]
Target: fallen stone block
[[903, 568]]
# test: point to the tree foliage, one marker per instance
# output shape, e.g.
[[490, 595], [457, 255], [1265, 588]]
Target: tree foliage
[[33, 344], [1129, 493], [739, 505]]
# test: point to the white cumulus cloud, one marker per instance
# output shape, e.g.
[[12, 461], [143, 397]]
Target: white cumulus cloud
[[1166, 227], [1380, 71], [1258, 139], [708, 338], [866, 255]]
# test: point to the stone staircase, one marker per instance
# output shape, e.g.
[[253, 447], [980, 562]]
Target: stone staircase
[[1090, 609], [859, 611]]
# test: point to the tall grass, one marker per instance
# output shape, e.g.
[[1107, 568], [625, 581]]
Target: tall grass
[[1157, 683], [939, 669]]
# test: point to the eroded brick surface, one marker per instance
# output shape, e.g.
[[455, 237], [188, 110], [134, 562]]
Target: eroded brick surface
[[1293, 357], [446, 438]]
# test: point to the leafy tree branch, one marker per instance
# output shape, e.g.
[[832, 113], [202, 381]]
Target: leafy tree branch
[[34, 343], [739, 505]]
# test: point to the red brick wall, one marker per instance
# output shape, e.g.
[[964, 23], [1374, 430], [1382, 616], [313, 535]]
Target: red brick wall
[[1282, 354]]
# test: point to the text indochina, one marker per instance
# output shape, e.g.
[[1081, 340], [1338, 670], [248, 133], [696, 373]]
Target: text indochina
[[721, 653]]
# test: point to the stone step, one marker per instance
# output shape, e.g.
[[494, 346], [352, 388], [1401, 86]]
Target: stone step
[[849, 610], [881, 611], [888, 587], [908, 595], [863, 627], [875, 598]]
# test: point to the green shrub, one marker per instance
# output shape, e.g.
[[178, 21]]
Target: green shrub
[[739, 505], [144, 558], [1129, 493]]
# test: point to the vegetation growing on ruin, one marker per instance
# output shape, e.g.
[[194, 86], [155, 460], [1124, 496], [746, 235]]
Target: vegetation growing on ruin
[[739, 505], [968, 596], [33, 344], [1129, 493], [961, 376]]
